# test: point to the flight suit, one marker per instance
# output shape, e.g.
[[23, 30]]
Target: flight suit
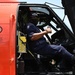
[[42, 47]]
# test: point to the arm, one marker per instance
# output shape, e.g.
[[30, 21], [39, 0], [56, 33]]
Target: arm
[[37, 36]]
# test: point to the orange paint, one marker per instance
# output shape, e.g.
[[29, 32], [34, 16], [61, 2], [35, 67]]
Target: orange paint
[[8, 12]]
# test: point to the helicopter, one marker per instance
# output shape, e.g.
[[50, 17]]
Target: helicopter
[[15, 56]]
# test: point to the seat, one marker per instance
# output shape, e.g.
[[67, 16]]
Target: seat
[[45, 64]]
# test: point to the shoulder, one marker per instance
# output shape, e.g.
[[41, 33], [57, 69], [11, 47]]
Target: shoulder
[[30, 25]]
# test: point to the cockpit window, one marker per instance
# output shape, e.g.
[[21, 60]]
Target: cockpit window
[[40, 9]]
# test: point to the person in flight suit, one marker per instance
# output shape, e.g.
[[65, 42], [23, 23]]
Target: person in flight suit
[[38, 44]]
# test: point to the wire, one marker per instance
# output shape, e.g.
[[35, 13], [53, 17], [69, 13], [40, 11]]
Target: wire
[[64, 17], [19, 56], [56, 8], [59, 7]]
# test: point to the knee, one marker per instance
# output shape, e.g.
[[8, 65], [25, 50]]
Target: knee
[[61, 49]]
